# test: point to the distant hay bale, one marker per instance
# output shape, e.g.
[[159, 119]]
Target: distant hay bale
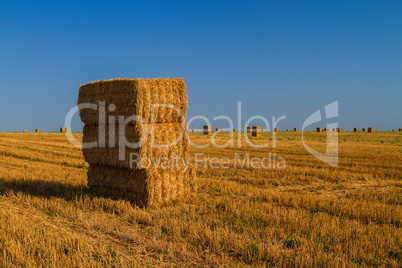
[[318, 129], [17, 131], [25, 131], [276, 129], [325, 129], [248, 129], [370, 130], [339, 129], [141, 185], [62, 129], [334, 129], [37, 130], [400, 129], [234, 130], [295, 129], [193, 130], [256, 131], [67, 129], [217, 129], [363, 129], [355, 129], [393, 130], [287, 129], [207, 130]]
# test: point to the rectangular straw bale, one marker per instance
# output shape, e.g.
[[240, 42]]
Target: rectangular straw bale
[[164, 134], [256, 131], [339, 129], [67, 129], [25, 131], [143, 187], [62, 129], [295, 129], [207, 130], [400, 129], [135, 97], [37, 130], [355, 129], [363, 129], [248, 129], [234, 130], [217, 129], [370, 129], [318, 129], [276, 129]]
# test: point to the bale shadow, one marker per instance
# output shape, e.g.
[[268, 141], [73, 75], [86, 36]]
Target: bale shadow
[[49, 189], [42, 188]]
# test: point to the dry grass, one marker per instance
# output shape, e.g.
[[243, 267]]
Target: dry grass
[[309, 214]]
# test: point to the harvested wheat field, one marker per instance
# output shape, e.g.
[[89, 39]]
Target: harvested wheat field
[[306, 214]]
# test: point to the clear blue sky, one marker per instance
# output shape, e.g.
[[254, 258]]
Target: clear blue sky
[[276, 57]]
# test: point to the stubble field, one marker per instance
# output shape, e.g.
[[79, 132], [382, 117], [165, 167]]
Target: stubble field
[[304, 214]]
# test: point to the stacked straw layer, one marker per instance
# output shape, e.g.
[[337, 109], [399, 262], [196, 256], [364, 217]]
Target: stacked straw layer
[[142, 187], [135, 97], [154, 148]]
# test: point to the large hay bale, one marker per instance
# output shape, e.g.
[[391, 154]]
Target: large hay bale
[[249, 129], [135, 97], [25, 131], [256, 131], [339, 129], [62, 130], [147, 184], [318, 129], [234, 130], [67, 129], [37, 130], [295, 129], [363, 129], [217, 129], [355, 129], [400, 129], [17, 131], [370, 130], [207, 130], [276, 129]]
